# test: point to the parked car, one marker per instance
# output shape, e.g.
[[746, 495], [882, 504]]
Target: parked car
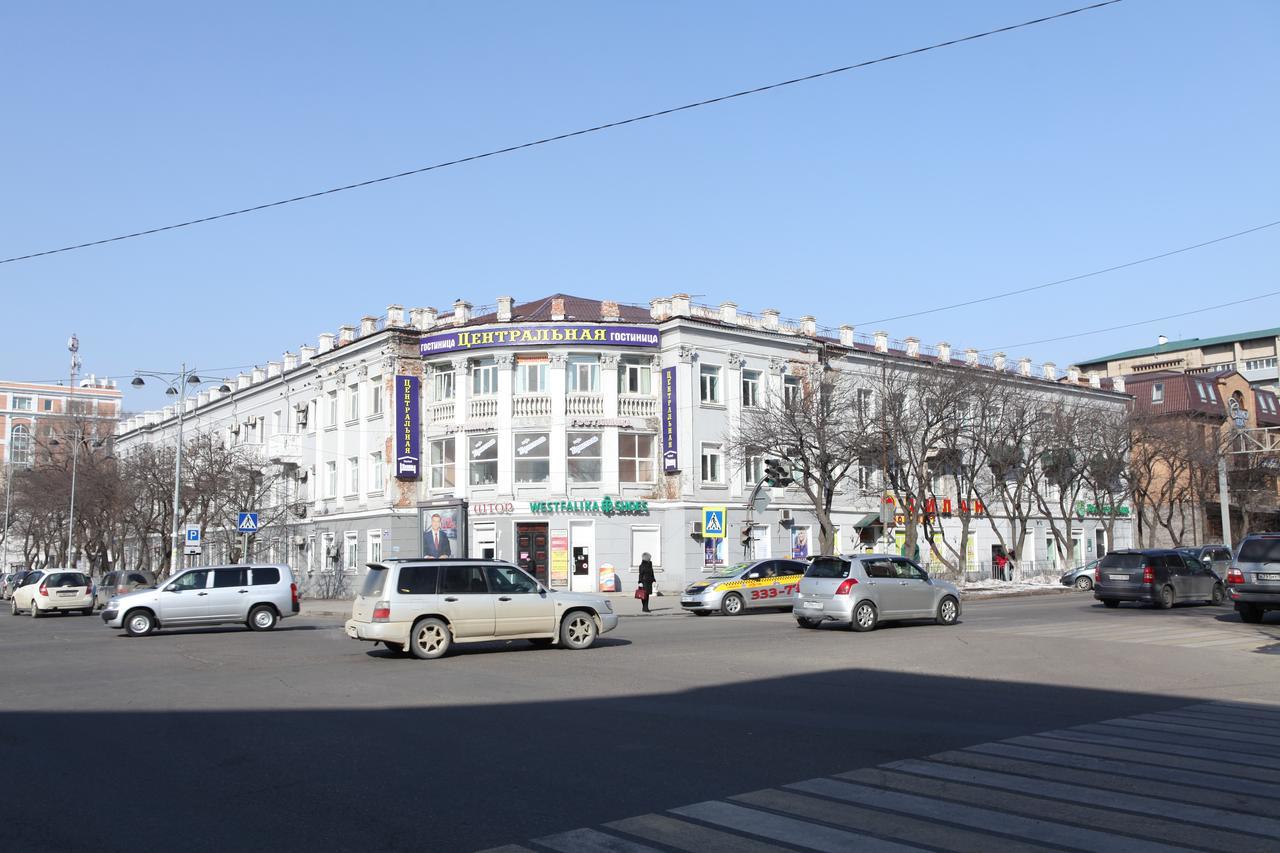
[[1216, 557], [6, 584], [123, 582], [15, 580], [1081, 577], [54, 590], [864, 590], [1162, 577], [1254, 576], [423, 607], [759, 584], [257, 596]]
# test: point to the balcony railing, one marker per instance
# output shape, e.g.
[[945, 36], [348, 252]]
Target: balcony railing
[[637, 406], [531, 406], [285, 448], [483, 407], [584, 404], [442, 411]]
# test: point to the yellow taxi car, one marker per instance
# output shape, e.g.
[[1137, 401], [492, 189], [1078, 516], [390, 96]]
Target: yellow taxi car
[[759, 584]]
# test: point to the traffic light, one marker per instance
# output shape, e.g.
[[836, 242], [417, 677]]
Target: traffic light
[[746, 536], [776, 473]]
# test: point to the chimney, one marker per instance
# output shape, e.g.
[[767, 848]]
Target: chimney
[[557, 308], [1161, 340], [1050, 371], [680, 305], [461, 312], [997, 361], [1095, 379], [242, 381], [971, 357], [913, 347], [1024, 366], [1073, 375], [430, 317], [944, 352], [346, 334], [1117, 384], [202, 398], [505, 304], [846, 335], [306, 353], [290, 361], [415, 318], [609, 311], [188, 405], [659, 309], [809, 326], [729, 313], [368, 325], [769, 317], [326, 342], [259, 375], [273, 369], [214, 395], [395, 315], [882, 341]]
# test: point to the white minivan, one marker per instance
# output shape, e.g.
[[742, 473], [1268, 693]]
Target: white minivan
[[256, 596], [425, 606]]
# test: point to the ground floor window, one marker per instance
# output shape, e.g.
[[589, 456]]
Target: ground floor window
[[533, 457], [351, 551], [329, 554], [646, 540], [484, 459], [584, 457], [375, 546]]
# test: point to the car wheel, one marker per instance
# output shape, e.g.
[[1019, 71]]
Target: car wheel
[[430, 639], [1219, 595], [139, 623], [732, 604], [807, 623], [1084, 583], [262, 618], [578, 630], [13, 606], [88, 611], [864, 617], [1165, 599], [35, 611], [541, 642], [948, 611], [1110, 602], [701, 612], [1249, 613]]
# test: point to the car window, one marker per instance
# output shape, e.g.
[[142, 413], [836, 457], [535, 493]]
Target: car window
[[827, 567], [140, 579], [191, 580], [65, 579], [418, 580], [768, 569], [265, 576], [109, 579], [462, 579], [1123, 561], [1260, 551], [1222, 554], [223, 578], [1196, 566], [373, 581], [790, 567], [32, 578], [907, 570], [880, 568], [509, 579]]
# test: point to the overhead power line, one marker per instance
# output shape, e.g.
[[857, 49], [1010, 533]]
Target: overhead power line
[[1103, 271], [1139, 322], [562, 136]]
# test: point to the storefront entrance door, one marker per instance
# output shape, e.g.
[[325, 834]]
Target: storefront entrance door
[[531, 550], [583, 570]]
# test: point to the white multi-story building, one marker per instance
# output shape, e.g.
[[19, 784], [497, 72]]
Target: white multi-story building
[[568, 435]]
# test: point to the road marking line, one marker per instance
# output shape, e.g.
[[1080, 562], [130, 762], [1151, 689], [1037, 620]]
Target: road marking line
[[692, 837], [1123, 738], [789, 830], [591, 841], [1156, 732], [1232, 774], [1212, 720], [1146, 721], [1231, 727]]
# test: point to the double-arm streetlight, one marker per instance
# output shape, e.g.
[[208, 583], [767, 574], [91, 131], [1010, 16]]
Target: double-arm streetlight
[[77, 438], [176, 385]]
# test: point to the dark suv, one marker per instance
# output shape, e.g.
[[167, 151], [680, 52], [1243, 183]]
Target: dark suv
[[1254, 576], [1160, 577]]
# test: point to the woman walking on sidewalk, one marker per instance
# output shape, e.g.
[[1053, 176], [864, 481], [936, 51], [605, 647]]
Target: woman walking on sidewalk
[[647, 580]]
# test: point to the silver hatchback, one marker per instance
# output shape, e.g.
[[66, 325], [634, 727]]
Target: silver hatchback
[[864, 590]]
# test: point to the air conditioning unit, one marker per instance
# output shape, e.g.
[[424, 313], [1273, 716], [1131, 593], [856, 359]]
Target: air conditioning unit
[[299, 541], [785, 516], [252, 421], [695, 528], [235, 429]]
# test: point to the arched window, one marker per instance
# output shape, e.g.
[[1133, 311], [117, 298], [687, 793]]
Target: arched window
[[20, 445]]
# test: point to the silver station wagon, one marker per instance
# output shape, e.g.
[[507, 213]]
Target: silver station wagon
[[862, 591], [423, 607], [256, 596]]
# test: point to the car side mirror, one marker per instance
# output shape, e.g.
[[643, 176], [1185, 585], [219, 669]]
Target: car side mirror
[[751, 576]]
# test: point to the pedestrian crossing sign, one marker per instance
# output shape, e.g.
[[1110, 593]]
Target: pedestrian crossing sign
[[248, 523], [713, 522]]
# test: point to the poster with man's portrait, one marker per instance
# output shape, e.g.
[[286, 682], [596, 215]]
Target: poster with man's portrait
[[440, 531]]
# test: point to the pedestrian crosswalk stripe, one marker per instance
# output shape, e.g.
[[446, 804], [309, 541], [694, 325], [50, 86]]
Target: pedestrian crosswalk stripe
[[1183, 633], [1149, 783]]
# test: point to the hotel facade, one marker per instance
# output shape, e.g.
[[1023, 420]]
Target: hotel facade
[[571, 436]]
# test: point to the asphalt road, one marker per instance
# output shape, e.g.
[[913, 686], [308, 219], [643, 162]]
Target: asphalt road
[[302, 739]]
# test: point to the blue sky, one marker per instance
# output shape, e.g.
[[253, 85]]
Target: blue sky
[[1011, 161]]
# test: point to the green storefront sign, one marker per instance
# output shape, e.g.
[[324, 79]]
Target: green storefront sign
[[606, 506], [1093, 509]]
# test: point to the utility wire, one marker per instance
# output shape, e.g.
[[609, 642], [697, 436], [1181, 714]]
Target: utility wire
[[569, 135], [1139, 322], [1125, 265]]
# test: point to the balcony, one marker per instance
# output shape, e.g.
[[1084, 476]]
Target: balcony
[[285, 448], [584, 404], [530, 406], [483, 407], [442, 411], [637, 406]]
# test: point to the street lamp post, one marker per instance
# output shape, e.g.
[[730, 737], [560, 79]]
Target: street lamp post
[[175, 386], [73, 347]]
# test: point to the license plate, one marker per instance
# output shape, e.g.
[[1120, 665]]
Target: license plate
[[1267, 576], [66, 592], [817, 605], [688, 601], [1118, 577]]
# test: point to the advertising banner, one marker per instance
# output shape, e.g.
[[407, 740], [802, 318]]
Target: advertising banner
[[465, 340], [408, 432], [559, 559], [670, 456]]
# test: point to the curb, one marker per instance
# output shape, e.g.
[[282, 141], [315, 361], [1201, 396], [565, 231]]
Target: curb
[[974, 595]]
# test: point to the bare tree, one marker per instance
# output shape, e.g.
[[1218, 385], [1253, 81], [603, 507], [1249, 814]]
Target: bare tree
[[1106, 440], [1059, 471]]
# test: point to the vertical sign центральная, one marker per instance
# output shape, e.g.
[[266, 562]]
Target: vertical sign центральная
[[670, 457], [408, 457]]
